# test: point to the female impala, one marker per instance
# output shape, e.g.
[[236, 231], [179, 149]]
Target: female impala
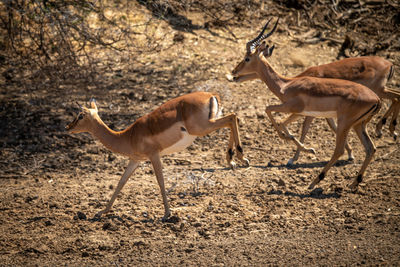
[[372, 71], [170, 128], [351, 103]]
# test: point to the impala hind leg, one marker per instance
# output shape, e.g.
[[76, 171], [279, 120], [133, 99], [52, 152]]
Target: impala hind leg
[[230, 152], [341, 136], [235, 137], [394, 109], [382, 121], [369, 147], [288, 107], [393, 121], [203, 127], [332, 125], [128, 172]]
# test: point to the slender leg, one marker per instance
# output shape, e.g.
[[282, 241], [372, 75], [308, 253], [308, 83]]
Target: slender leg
[[332, 124], [293, 117], [157, 166], [382, 121], [128, 172], [341, 136], [369, 147], [285, 107], [394, 96], [393, 121], [236, 138], [229, 121], [230, 152], [304, 131]]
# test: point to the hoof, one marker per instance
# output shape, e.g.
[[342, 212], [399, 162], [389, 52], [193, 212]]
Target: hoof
[[394, 136], [351, 158], [165, 217], [232, 165], [290, 162]]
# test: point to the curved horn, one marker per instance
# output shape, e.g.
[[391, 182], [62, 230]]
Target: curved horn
[[265, 36], [249, 44], [256, 41]]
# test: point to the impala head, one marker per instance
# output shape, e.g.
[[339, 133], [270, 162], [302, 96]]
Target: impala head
[[254, 49], [82, 121]]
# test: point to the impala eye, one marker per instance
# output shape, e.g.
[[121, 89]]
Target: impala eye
[[80, 117], [247, 59]]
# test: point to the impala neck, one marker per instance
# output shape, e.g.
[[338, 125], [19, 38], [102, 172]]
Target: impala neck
[[117, 142], [272, 79]]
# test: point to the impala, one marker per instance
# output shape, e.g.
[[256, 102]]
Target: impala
[[373, 72], [170, 128], [351, 103]]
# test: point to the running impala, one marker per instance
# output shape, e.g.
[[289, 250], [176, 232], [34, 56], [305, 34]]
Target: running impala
[[351, 103], [168, 129], [373, 72]]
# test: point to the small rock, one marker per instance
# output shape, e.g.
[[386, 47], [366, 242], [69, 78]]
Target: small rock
[[179, 37], [109, 226], [106, 226], [111, 157], [281, 182], [81, 216]]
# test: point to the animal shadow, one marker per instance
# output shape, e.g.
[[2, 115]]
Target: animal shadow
[[317, 193]]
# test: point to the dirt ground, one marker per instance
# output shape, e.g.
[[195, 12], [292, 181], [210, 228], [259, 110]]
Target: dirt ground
[[53, 183]]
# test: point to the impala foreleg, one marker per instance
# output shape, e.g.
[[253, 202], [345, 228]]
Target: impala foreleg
[[157, 166], [306, 126], [128, 172], [293, 117], [281, 129], [370, 149]]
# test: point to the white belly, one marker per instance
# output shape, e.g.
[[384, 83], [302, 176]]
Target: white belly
[[320, 114], [183, 143]]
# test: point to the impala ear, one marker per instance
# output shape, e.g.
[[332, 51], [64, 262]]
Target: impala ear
[[271, 49], [92, 103], [268, 51]]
